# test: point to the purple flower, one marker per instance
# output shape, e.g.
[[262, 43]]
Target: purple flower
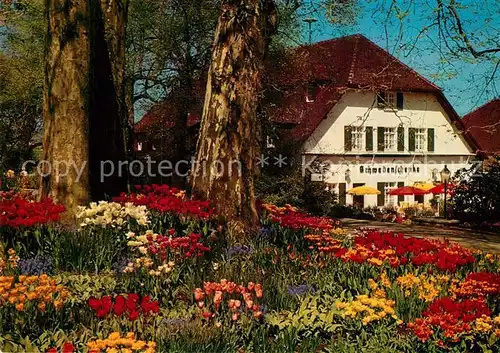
[[266, 232], [300, 290], [35, 266], [238, 250], [120, 265]]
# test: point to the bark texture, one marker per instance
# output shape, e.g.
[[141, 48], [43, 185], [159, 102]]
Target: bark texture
[[84, 99], [66, 103], [228, 144]]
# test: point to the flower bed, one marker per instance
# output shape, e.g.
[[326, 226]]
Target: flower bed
[[151, 272]]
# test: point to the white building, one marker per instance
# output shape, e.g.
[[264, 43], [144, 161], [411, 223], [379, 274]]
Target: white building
[[367, 119]]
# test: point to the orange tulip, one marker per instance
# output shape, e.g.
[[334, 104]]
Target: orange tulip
[[258, 291], [198, 294]]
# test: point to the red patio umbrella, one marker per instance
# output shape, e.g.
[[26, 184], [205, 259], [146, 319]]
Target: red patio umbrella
[[407, 190], [439, 189]]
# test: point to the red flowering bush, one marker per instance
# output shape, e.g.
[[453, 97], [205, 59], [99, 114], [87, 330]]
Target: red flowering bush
[[132, 305], [15, 211], [66, 348], [396, 249], [164, 198], [217, 293], [289, 217], [479, 284], [451, 317], [324, 242]]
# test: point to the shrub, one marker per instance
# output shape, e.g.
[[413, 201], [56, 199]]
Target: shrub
[[289, 186], [476, 199]]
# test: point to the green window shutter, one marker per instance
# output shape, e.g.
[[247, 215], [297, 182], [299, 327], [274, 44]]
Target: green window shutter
[[381, 196], [401, 198], [411, 139], [401, 138], [380, 138], [342, 193], [381, 100], [430, 140], [369, 138], [399, 100], [347, 138]]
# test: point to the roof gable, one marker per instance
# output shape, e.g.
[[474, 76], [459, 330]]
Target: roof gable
[[484, 125]]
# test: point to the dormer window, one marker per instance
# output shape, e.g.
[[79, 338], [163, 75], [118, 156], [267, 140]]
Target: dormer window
[[389, 100], [310, 93]]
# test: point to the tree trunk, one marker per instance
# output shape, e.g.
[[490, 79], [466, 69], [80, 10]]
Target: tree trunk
[[107, 88], [84, 100], [115, 16], [228, 144], [66, 104]]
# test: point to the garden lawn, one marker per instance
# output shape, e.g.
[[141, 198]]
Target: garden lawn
[[151, 272]]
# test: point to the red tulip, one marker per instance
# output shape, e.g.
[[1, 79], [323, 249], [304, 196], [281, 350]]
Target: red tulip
[[68, 348]]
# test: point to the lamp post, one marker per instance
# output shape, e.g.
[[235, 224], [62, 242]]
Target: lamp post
[[310, 21], [445, 178]]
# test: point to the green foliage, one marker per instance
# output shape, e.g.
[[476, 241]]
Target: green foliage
[[21, 82], [289, 185], [314, 316], [349, 211], [85, 286], [476, 199]]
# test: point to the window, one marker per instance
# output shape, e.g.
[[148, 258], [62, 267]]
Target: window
[[420, 141], [390, 100], [310, 93], [390, 200], [358, 138], [389, 139]]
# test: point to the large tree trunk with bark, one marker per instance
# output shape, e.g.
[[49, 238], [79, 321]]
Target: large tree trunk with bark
[[228, 144], [84, 100], [66, 103]]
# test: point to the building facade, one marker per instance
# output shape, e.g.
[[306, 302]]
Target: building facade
[[358, 116], [385, 140]]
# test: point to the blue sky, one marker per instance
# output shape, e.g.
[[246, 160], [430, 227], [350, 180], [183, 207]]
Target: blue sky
[[463, 81]]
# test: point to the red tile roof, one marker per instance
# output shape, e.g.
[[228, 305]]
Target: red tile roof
[[164, 115], [484, 125], [334, 66], [352, 61]]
